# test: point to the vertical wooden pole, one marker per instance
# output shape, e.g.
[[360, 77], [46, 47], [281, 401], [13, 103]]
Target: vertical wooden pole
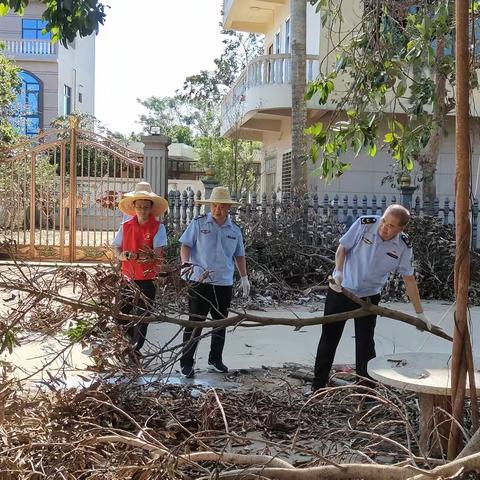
[[462, 223], [63, 154], [73, 189], [32, 204]]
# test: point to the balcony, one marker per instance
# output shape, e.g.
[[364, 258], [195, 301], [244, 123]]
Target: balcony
[[262, 95], [21, 49], [256, 16]]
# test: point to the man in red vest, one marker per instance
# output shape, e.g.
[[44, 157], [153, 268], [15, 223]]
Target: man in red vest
[[139, 246]]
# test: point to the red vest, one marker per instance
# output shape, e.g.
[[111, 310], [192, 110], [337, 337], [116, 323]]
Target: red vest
[[135, 238]]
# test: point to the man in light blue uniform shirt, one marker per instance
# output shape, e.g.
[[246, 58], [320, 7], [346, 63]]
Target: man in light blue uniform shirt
[[211, 246], [370, 250]]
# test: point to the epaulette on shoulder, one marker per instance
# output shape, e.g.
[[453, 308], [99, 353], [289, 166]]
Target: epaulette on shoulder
[[200, 216], [406, 239], [368, 220]]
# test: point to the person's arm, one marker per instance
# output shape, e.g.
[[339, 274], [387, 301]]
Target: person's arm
[[414, 296], [185, 253], [340, 255], [412, 292], [117, 245], [241, 266], [241, 263]]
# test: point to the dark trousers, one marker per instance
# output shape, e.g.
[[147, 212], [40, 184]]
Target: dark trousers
[[205, 298], [132, 303], [332, 333]]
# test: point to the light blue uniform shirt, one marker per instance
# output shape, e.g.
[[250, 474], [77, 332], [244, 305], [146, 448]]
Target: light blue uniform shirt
[[213, 249], [369, 259], [159, 240]]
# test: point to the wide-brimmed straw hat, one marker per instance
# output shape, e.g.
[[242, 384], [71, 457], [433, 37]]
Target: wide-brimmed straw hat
[[219, 195], [143, 191]]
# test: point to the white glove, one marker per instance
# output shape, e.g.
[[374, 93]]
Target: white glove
[[338, 279], [423, 318], [245, 284]]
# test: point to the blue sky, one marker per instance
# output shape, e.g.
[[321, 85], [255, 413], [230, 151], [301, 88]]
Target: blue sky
[[149, 50]]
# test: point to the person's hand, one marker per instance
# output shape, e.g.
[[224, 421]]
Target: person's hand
[[126, 255], [423, 318], [337, 278], [186, 269], [245, 284]]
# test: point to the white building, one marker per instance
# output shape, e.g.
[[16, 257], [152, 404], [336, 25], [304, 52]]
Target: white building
[[259, 104], [55, 80]]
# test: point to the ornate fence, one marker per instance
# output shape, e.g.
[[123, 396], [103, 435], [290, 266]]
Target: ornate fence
[[319, 214]]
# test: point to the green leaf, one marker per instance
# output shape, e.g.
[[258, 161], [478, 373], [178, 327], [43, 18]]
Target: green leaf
[[4, 9], [372, 149], [389, 137], [401, 88]]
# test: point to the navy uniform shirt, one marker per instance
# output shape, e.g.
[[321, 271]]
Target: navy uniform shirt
[[369, 259], [213, 249]]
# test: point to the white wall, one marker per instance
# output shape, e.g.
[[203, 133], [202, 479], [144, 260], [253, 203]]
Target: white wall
[[76, 68]]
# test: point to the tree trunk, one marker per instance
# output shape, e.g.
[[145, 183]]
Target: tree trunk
[[463, 229], [298, 16], [429, 158]]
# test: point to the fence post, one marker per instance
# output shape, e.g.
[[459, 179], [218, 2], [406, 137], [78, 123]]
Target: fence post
[[177, 208], [374, 205], [446, 211], [171, 207], [198, 206], [191, 202], [184, 207]]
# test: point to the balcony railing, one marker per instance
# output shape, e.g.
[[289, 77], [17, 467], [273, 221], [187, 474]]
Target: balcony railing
[[267, 70], [31, 48]]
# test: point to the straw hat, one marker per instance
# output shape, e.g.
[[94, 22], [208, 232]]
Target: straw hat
[[219, 195], [143, 191]]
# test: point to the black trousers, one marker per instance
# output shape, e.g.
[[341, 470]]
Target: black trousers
[[205, 298], [130, 305], [332, 333]]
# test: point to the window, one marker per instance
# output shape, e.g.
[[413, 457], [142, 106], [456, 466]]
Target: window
[[277, 42], [287, 172], [287, 36], [32, 29], [80, 97], [67, 100], [26, 114]]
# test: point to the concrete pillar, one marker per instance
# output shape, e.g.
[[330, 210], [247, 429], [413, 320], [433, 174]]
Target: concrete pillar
[[155, 162], [209, 184]]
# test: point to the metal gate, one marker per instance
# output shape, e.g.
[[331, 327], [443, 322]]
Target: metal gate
[[59, 193]]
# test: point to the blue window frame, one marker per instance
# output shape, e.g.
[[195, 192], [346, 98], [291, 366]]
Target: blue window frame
[[27, 107], [32, 29]]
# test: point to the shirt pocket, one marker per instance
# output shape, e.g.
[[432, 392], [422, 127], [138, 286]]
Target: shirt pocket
[[230, 242], [387, 262]]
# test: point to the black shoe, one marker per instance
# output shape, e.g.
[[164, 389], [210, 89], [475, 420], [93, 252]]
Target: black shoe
[[188, 371], [218, 366]]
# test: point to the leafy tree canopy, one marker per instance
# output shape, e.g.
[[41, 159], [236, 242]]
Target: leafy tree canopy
[[394, 70], [65, 18], [9, 89]]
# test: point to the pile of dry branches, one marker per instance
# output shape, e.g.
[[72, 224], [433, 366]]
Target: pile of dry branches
[[282, 256], [117, 428]]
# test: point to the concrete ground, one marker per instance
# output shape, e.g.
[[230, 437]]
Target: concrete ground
[[248, 348], [274, 346]]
